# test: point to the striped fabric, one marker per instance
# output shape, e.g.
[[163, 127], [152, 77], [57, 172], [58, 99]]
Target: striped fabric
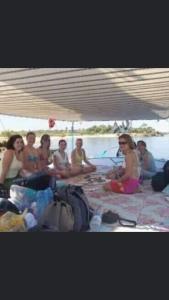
[[90, 94]]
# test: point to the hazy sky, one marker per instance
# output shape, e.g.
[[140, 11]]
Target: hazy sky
[[16, 123]]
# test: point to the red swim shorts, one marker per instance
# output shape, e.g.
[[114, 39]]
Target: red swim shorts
[[129, 186]]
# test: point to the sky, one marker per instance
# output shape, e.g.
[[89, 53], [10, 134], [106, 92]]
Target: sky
[[17, 123]]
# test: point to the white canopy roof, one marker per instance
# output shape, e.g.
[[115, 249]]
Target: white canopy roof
[[90, 94]]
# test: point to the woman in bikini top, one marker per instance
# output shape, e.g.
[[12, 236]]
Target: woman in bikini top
[[30, 154], [45, 155], [78, 157]]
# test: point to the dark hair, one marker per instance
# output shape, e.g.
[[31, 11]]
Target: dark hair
[[135, 145], [80, 140], [142, 143], [62, 141], [44, 138], [11, 141], [128, 139], [31, 133]]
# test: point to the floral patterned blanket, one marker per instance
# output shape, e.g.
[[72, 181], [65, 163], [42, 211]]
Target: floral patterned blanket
[[149, 209]]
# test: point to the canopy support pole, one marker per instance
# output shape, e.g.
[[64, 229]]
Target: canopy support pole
[[2, 125], [73, 135]]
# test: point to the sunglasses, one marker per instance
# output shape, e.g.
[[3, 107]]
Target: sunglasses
[[122, 143]]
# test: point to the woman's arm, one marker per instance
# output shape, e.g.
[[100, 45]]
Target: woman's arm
[[39, 164], [50, 158], [73, 159], [68, 165], [24, 158], [146, 161], [7, 160], [85, 158], [56, 162], [128, 169]]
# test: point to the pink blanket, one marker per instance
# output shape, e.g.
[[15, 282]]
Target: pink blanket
[[148, 209]]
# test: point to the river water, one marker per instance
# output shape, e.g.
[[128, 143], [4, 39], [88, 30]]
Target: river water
[[108, 146]]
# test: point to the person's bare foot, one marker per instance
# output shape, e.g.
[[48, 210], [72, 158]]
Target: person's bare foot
[[107, 187], [111, 176], [139, 189]]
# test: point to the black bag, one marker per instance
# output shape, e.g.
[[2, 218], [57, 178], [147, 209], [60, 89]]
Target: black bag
[[166, 171], [4, 192], [112, 218], [6, 205], [36, 182], [159, 182]]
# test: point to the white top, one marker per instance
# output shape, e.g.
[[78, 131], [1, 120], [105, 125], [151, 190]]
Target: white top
[[14, 168], [62, 162]]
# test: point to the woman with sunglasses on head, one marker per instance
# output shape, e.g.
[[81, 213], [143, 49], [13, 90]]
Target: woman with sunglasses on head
[[45, 155], [128, 181], [46, 159]]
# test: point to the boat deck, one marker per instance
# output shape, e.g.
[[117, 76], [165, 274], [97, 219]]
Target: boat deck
[[149, 209]]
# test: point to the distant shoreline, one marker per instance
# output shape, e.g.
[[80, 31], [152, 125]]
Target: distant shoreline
[[134, 135], [98, 135]]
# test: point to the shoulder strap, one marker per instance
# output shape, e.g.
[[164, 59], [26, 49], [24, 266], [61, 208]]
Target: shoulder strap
[[130, 224], [82, 197]]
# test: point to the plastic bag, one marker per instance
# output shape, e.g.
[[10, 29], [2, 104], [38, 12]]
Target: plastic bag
[[22, 197], [43, 199], [11, 222], [30, 221]]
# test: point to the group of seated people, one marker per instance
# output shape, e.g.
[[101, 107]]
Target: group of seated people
[[21, 160]]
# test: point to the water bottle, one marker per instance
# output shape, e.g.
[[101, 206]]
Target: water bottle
[[95, 222], [30, 220], [33, 209]]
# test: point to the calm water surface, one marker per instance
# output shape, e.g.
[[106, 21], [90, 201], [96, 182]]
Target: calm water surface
[[96, 146]]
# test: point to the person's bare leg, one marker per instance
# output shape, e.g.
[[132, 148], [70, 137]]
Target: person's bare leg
[[139, 189], [107, 187], [65, 174], [94, 168], [88, 169], [75, 171], [111, 175]]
